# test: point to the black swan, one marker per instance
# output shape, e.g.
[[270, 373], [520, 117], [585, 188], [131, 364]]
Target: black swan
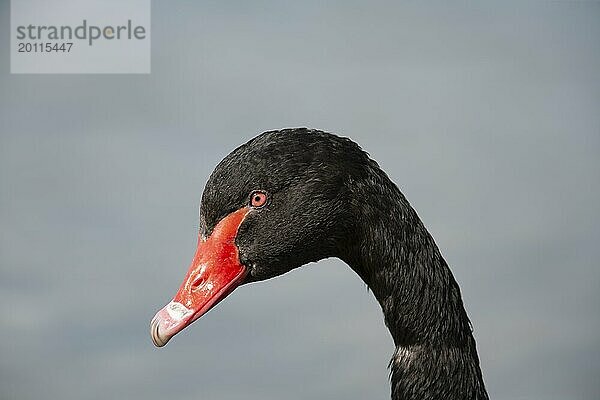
[[294, 196]]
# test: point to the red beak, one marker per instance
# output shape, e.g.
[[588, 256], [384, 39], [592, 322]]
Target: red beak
[[215, 272]]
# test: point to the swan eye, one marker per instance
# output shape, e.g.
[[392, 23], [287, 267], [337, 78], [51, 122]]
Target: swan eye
[[258, 198]]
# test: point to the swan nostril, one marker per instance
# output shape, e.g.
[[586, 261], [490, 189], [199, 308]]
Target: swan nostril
[[198, 281]]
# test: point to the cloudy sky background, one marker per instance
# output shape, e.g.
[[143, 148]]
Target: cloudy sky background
[[486, 115]]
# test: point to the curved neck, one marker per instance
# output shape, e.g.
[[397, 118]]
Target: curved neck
[[398, 259]]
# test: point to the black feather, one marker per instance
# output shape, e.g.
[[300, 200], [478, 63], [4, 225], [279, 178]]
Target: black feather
[[328, 198]]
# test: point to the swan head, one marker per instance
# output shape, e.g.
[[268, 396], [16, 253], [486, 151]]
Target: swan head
[[282, 200]]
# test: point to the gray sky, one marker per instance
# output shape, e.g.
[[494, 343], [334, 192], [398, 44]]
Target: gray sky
[[486, 116]]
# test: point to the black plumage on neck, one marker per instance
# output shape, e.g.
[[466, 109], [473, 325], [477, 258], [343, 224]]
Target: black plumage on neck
[[394, 254]]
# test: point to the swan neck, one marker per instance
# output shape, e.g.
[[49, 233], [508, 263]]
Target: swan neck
[[398, 259]]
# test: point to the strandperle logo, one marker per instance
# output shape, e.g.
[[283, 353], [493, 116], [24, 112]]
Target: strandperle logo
[[80, 36], [85, 31]]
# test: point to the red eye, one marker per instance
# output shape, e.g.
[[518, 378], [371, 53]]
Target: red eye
[[258, 199]]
